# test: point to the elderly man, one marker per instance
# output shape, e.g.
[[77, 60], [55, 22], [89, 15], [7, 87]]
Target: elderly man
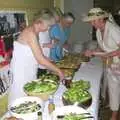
[[59, 34], [108, 37], [44, 37]]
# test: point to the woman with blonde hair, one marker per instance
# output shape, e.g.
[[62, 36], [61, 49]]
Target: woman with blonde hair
[[27, 55]]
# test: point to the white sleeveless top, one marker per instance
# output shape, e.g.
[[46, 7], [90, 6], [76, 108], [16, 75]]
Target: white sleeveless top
[[23, 69]]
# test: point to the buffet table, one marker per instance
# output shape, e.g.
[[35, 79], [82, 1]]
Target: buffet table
[[91, 71]]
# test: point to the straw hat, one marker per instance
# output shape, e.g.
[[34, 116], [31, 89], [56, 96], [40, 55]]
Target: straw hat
[[95, 13]]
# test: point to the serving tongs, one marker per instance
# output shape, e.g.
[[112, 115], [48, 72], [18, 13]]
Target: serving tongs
[[80, 105], [87, 115]]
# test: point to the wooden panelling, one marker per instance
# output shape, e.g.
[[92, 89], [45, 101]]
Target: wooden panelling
[[29, 6]]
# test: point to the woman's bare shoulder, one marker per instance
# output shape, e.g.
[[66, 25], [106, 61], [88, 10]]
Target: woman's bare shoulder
[[27, 35]]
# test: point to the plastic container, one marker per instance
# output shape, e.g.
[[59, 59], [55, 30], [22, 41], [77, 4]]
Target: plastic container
[[51, 105], [39, 115], [67, 82]]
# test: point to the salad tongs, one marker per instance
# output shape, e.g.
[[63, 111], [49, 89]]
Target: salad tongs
[[79, 104], [85, 116]]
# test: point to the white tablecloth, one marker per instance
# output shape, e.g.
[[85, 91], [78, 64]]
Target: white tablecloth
[[91, 71]]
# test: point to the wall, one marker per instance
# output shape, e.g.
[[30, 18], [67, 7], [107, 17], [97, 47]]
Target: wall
[[113, 6], [81, 32], [104, 4], [116, 5], [29, 6], [59, 4]]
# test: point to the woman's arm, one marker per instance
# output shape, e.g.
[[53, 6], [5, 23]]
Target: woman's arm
[[36, 49], [114, 53]]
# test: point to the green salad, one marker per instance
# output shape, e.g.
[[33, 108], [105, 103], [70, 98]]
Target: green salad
[[76, 95], [78, 92], [81, 84], [40, 86], [49, 76], [72, 116]]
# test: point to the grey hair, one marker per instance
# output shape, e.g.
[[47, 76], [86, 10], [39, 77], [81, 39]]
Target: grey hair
[[68, 16], [44, 15]]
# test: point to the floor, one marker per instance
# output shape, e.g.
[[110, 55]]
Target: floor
[[105, 112]]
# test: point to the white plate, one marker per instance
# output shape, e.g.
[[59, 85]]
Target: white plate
[[65, 110], [27, 116], [99, 53]]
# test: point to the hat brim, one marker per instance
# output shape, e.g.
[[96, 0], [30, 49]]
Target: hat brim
[[91, 18]]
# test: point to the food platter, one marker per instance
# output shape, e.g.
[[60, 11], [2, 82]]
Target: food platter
[[99, 53], [49, 76], [72, 61], [61, 112], [79, 58], [26, 108], [78, 93], [67, 64]]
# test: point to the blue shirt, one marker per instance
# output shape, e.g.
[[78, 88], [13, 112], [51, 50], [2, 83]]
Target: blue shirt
[[56, 32]]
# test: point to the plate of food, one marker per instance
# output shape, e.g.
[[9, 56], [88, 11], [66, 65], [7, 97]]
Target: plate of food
[[71, 113], [99, 53], [68, 64], [26, 108], [78, 58]]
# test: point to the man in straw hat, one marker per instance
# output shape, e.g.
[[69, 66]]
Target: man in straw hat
[[108, 37]]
